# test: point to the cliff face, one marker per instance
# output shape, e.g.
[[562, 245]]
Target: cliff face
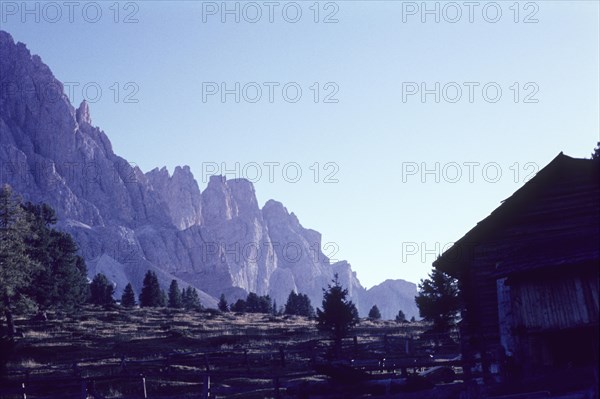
[[126, 221]]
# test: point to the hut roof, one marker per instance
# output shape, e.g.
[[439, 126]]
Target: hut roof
[[552, 221]]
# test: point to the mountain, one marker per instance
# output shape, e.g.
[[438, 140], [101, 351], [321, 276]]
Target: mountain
[[391, 296], [126, 222]]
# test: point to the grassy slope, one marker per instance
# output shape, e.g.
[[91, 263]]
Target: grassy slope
[[242, 351]]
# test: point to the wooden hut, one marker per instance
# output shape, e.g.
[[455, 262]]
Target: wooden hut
[[528, 275]]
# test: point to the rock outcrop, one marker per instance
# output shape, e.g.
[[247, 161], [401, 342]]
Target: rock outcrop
[[127, 222]]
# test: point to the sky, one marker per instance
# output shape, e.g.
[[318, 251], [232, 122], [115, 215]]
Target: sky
[[391, 127]]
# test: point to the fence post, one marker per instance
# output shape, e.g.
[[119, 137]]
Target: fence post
[[206, 387], [355, 346], [385, 343], [76, 371], [282, 356], [144, 386], [123, 365], [246, 359], [276, 385], [24, 391], [206, 364], [83, 389]]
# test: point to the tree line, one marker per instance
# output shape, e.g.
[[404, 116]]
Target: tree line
[[40, 269], [102, 293]]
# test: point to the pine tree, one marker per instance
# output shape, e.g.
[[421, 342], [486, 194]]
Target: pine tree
[[374, 313], [223, 306], [61, 280], [274, 308], [299, 304], [163, 300], [16, 266], [339, 314], [128, 297], [291, 306], [596, 153], [252, 303], [258, 304], [400, 317], [174, 295], [190, 299], [151, 295], [438, 300], [101, 291], [239, 306]]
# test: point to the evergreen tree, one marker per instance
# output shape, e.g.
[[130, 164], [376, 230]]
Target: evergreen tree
[[274, 308], [258, 304], [374, 313], [596, 153], [16, 266], [291, 306], [101, 291], [128, 297], [175, 300], [400, 317], [306, 308], [438, 300], [266, 304], [339, 314], [299, 304], [61, 280], [190, 299], [223, 306], [239, 306], [163, 299], [252, 303], [151, 295], [412, 319]]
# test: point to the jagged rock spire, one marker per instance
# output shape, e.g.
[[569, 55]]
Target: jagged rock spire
[[83, 113]]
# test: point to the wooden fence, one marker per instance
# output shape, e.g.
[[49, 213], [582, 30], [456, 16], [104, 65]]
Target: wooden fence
[[256, 371]]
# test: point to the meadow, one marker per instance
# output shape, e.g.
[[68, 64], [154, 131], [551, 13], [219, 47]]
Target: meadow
[[171, 353]]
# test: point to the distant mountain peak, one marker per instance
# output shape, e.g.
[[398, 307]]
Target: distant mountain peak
[[127, 222], [83, 114]]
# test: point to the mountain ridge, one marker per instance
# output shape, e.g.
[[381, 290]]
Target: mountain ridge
[[125, 221]]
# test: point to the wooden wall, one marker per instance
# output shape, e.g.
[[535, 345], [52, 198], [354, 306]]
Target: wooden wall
[[556, 304]]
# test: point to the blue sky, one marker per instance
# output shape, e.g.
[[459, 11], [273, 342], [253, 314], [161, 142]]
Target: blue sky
[[384, 214]]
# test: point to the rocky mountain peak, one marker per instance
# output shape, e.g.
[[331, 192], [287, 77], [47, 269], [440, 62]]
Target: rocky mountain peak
[[127, 222], [82, 114], [179, 193]]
